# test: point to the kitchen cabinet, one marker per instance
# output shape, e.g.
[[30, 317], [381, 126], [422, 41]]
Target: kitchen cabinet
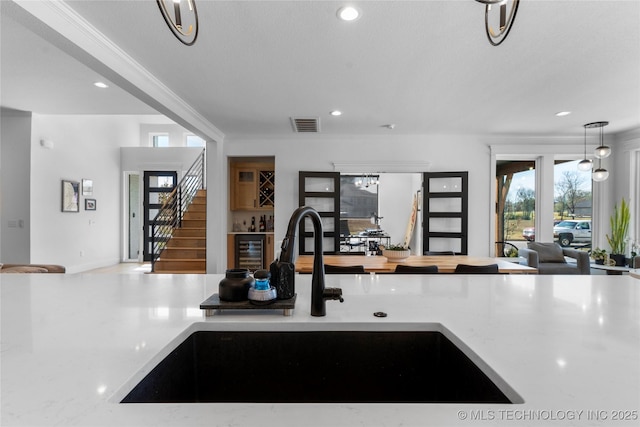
[[252, 186], [270, 250]]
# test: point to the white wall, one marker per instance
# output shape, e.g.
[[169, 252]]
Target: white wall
[[625, 171], [15, 149], [140, 159], [176, 133], [85, 146], [395, 198]]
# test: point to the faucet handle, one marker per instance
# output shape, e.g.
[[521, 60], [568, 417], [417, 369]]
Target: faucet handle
[[333, 294]]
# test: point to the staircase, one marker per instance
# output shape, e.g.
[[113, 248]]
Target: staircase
[[185, 252], [178, 236]]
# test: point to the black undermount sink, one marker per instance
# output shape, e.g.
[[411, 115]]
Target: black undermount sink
[[318, 367]]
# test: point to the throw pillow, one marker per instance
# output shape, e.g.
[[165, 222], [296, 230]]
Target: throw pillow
[[547, 252]]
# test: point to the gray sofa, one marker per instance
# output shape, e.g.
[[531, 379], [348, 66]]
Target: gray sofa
[[549, 258]]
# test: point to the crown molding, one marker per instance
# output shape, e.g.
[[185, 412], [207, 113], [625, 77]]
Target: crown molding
[[374, 167], [107, 58]]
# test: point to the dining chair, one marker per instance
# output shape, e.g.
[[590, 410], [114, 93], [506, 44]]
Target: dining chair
[[416, 269], [431, 253], [477, 269], [343, 269]]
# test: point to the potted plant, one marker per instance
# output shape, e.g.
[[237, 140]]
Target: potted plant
[[396, 253], [598, 255], [619, 222]]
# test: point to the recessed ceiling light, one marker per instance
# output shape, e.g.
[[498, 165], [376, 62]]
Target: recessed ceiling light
[[348, 13], [101, 85], [336, 113], [563, 113]]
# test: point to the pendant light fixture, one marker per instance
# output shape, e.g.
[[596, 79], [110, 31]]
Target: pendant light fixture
[[182, 19], [585, 164], [503, 16], [602, 151]]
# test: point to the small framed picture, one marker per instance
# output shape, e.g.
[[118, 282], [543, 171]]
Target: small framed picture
[[70, 196], [87, 187], [89, 204]]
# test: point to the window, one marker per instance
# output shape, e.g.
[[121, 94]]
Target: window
[[160, 140], [358, 196], [573, 201], [195, 141]]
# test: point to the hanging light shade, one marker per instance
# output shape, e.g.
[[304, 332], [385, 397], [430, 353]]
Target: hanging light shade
[[602, 151], [585, 164], [600, 174], [498, 22]]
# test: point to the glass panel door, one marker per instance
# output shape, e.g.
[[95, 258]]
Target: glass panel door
[[321, 191], [445, 206], [133, 251], [157, 187]]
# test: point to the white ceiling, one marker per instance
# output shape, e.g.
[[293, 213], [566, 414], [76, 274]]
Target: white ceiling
[[425, 66]]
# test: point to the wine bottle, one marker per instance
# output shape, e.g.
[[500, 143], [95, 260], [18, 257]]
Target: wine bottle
[[253, 224]]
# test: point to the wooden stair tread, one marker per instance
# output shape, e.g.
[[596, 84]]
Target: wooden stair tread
[[187, 237], [193, 228], [189, 248]]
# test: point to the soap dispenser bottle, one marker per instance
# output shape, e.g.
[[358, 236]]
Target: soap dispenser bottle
[[283, 278], [262, 292]]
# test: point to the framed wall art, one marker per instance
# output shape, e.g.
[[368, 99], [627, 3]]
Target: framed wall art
[[87, 187], [70, 196], [89, 204]]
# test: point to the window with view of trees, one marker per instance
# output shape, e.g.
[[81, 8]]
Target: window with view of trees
[[516, 201], [572, 192]]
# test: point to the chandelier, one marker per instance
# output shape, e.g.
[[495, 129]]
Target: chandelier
[[601, 152]]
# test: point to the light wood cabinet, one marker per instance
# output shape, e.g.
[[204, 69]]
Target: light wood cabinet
[[252, 186], [231, 251], [270, 250]]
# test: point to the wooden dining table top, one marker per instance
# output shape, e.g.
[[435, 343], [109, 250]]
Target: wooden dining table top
[[380, 264]]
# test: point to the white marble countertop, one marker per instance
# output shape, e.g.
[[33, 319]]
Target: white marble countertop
[[568, 345]]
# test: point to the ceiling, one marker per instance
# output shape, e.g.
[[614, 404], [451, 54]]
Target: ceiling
[[424, 66]]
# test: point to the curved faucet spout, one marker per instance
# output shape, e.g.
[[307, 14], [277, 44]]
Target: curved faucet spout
[[282, 270]]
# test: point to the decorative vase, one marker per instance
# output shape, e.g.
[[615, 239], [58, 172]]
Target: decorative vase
[[235, 285], [396, 256], [600, 261], [618, 258]]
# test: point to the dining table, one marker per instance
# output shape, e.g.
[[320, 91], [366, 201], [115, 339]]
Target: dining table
[[445, 263]]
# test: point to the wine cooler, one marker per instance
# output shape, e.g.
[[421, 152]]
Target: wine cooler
[[250, 251]]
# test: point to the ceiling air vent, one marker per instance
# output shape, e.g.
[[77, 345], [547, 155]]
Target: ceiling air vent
[[306, 124]]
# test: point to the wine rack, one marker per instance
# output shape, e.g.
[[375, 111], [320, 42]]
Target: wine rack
[[266, 189]]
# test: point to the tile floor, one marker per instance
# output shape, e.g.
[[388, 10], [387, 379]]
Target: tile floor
[[124, 268]]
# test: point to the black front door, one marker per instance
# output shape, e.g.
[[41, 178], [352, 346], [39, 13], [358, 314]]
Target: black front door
[[157, 186]]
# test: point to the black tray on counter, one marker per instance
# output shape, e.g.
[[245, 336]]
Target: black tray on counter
[[214, 303]]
